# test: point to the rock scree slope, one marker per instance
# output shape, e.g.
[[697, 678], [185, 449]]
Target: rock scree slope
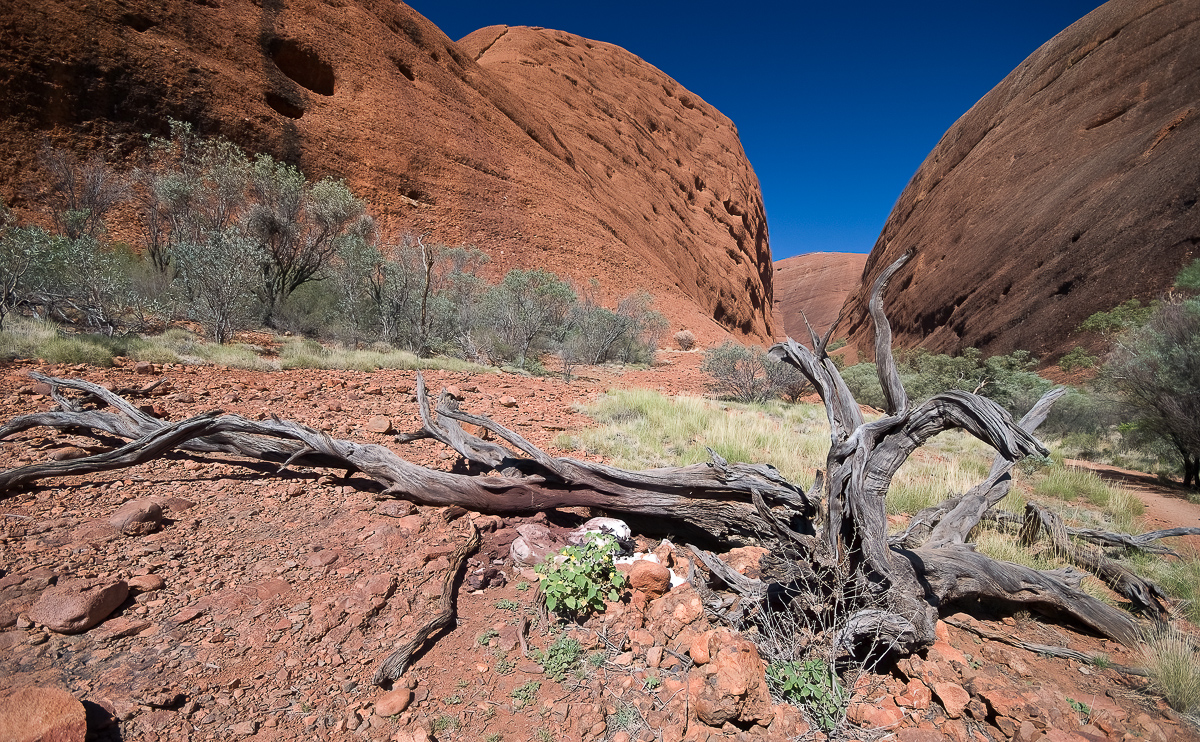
[[814, 285], [1067, 189], [542, 148]]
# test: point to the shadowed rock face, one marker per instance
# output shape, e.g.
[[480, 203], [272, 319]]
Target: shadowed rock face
[[816, 285], [541, 148], [1067, 189]]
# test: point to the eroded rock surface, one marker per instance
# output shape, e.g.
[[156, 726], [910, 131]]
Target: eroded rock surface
[[815, 286], [1069, 188], [542, 148]]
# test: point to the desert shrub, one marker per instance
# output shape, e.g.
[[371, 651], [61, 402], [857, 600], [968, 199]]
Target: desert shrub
[[1007, 380], [1078, 358], [1122, 317], [748, 374], [685, 339], [215, 286], [520, 315], [1155, 373], [1189, 278], [812, 684], [593, 335]]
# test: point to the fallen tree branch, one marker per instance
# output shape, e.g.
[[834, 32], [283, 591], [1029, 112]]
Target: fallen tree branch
[[397, 662], [1047, 650]]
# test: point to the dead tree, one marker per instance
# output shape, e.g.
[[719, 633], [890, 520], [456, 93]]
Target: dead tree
[[833, 539]]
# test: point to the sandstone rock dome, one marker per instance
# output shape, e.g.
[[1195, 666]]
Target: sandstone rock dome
[[814, 286], [1067, 189], [542, 148]]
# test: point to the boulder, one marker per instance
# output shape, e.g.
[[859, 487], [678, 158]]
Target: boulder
[[34, 714], [77, 605], [137, 517], [733, 687], [650, 577]]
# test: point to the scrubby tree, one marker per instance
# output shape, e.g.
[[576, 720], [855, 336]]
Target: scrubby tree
[[81, 193], [218, 275], [298, 226], [22, 251], [749, 375], [1155, 370], [522, 311]]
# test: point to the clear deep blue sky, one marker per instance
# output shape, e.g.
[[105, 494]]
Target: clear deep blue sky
[[837, 104]]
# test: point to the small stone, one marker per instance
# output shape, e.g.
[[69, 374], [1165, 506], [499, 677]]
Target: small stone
[[953, 697], [143, 368], [393, 702], [379, 424], [245, 728], [654, 656], [650, 577], [396, 508], [507, 401], [137, 517], [146, 584]]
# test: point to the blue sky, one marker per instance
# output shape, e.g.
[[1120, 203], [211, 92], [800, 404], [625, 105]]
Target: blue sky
[[837, 104]]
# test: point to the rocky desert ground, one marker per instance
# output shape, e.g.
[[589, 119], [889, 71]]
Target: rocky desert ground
[[230, 601]]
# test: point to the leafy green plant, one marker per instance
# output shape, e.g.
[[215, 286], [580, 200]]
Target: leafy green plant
[[522, 586], [526, 693], [544, 735], [811, 684], [560, 658], [505, 604], [486, 636], [595, 659], [445, 722], [453, 700], [1077, 359], [1080, 708], [504, 665], [581, 578]]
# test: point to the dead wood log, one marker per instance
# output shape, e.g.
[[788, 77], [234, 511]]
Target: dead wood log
[[397, 662], [900, 591], [1047, 650], [711, 501], [1145, 595]]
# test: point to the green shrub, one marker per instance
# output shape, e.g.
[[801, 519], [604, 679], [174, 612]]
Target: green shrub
[[560, 658], [1189, 278], [811, 684], [580, 579], [749, 375], [1078, 358], [1121, 317]]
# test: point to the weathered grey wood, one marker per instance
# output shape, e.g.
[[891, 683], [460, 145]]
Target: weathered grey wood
[[1145, 595], [712, 500], [955, 572], [894, 395], [1044, 650], [394, 665], [960, 519]]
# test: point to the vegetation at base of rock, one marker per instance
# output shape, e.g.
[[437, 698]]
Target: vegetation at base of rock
[[580, 579], [748, 374], [1077, 359], [1007, 380], [811, 684], [232, 242]]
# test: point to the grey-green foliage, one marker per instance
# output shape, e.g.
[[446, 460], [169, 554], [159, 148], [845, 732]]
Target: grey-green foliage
[[217, 279], [748, 374], [410, 294], [1126, 316], [520, 316], [23, 250], [628, 334], [80, 193], [1008, 380], [189, 185], [1189, 278], [299, 227], [1155, 371]]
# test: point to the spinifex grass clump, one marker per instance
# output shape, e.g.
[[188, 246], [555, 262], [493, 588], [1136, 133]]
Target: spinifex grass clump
[[581, 578]]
